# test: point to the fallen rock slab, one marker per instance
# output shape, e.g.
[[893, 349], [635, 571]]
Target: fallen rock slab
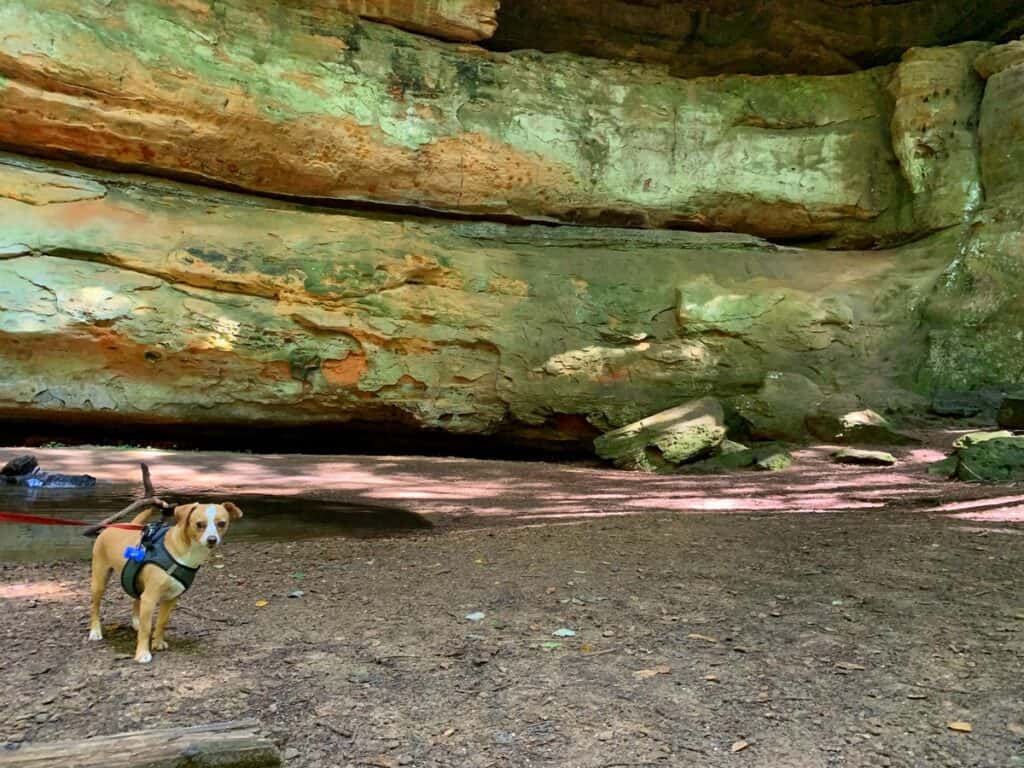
[[461, 20], [869, 427], [666, 440], [866, 458], [973, 438]]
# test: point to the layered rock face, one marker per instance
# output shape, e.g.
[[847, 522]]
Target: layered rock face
[[977, 314], [159, 300], [251, 233], [711, 37], [271, 100]]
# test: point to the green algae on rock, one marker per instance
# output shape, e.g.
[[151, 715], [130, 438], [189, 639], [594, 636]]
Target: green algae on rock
[[265, 98], [664, 441], [135, 299]]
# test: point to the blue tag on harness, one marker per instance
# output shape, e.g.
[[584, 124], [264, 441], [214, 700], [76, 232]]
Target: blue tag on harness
[[138, 554]]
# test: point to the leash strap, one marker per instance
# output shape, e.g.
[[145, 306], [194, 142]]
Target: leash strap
[[16, 517]]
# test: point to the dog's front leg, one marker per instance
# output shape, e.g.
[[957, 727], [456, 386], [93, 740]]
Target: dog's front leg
[[159, 644], [146, 606]]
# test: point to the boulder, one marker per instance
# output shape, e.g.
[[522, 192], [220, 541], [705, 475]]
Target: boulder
[[866, 426], [20, 465], [774, 462], [779, 409], [128, 300], [767, 455], [1000, 460], [1011, 412], [362, 112], [983, 403], [666, 440], [866, 458], [1000, 58]]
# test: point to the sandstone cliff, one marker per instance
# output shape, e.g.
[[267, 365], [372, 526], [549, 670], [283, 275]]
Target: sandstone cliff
[[156, 300], [271, 101], [312, 279]]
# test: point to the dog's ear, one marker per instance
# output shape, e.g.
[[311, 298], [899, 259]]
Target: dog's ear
[[182, 512], [233, 510]]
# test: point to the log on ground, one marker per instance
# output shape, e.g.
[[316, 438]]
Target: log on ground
[[224, 745]]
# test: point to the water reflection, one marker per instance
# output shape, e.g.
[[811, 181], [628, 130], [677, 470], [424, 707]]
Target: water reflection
[[267, 517]]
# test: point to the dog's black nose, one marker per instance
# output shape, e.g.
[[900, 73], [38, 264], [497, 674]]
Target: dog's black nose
[[211, 540]]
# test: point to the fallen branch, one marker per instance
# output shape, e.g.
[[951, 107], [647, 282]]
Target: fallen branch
[[225, 745], [151, 500]]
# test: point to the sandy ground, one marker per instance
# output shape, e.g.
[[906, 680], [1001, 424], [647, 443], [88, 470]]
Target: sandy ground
[[820, 616]]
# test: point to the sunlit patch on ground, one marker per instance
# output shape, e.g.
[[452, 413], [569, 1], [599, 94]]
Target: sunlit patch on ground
[[40, 590]]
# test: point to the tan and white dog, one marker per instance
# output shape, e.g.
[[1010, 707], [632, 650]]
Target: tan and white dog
[[197, 530]]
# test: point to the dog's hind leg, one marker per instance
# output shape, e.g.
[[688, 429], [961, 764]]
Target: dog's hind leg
[[100, 575], [159, 644]]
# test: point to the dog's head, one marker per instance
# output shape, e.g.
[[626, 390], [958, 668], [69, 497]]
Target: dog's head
[[205, 523]]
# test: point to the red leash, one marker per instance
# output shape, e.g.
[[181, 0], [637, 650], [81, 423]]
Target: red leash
[[15, 517]]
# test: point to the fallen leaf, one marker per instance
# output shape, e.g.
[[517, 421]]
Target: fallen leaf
[[849, 665], [261, 603], [711, 678], [705, 638], [551, 590], [448, 733], [564, 633], [218, 565], [644, 674], [739, 746], [917, 696], [550, 646], [479, 561], [960, 726], [475, 616]]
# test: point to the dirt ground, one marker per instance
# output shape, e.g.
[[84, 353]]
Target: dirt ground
[[820, 616]]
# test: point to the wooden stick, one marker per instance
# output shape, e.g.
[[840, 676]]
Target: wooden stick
[[135, 506], [225, 745], [147, 484], [151, 500]]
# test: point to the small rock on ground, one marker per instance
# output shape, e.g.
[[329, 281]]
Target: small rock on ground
[[867, 458]]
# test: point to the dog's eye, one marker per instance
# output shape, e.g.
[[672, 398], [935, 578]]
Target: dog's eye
[[221, 524], [200, 525]]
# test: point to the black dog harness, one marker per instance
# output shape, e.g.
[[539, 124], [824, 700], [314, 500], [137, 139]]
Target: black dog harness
[[156, 554]]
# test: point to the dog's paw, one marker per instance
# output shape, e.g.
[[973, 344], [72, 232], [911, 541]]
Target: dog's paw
[[95, 634], [159, 645], [144, 658]]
